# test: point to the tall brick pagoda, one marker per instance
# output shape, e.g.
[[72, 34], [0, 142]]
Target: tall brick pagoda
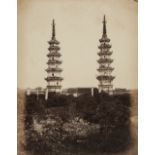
[[104, 71], [53, 71]]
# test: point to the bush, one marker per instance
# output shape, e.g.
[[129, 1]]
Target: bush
[[64, 124]]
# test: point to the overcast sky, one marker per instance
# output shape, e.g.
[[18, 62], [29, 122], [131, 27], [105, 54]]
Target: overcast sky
[[78, 28]]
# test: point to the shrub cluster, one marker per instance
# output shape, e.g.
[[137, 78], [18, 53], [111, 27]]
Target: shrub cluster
[[65, 124]]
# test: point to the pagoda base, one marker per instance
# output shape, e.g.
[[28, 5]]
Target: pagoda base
[[50, 91], [108, 91]]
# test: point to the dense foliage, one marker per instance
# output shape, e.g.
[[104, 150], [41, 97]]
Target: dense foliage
[[66, 125]]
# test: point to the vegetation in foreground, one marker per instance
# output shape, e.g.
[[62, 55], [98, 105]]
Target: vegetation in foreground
[[65, 125]]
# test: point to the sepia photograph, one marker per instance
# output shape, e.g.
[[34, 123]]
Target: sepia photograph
[[77, 86]]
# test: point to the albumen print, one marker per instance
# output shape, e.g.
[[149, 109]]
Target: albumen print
[[77, 77]]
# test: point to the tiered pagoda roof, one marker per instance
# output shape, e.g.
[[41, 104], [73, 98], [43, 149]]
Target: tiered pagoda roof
[[105, 60], [104, 52], [104, 46], [53, 78], [104, 69], [55, 53], [104, 39], [54, 62], [105, 78], [54, 70], [53, 41], [52, 47]]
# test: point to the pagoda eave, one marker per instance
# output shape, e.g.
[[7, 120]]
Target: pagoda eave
[[54, 54], [105, 77], [54, 48], [53, 42], [104, 39], [105, 69], [54, 78], [104, 53], [102, 60], [58, 70], [53, 62], [104, 46]]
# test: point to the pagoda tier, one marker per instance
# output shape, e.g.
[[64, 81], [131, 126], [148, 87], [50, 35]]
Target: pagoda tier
[[54, 54], [105, 60], [104, 39], [53, 41], [54, 78], [54, 62], [104, 46], [105, 78], [104, 69], [56, 48], [54, 71], [103, 53]]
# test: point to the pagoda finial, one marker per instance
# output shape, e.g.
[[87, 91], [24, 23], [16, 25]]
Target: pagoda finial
[[104, 27], [53, 29]]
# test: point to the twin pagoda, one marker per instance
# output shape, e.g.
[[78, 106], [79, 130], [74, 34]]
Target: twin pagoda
[[104, 77], [54, 71]]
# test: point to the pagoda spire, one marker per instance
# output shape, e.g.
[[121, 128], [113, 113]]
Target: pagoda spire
[[104, 26], [53, 29]]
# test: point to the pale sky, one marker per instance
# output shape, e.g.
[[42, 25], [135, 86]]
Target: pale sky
[[78, 28]]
